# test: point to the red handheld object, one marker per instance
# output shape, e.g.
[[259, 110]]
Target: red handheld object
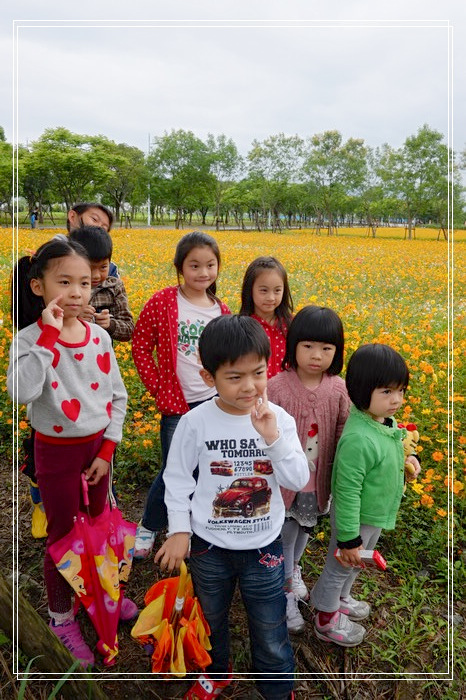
[[370, 558], [85, 487]]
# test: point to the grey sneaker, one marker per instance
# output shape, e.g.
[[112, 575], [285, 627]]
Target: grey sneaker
[[340, 630], [354, 609], [297, 584], [294, 620]]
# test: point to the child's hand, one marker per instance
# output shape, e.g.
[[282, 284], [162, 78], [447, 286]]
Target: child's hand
[[96, 471], [173, 551], [412, 468], [87, 313], [52, 315], [350, 557], [103, 318], [264, 419]]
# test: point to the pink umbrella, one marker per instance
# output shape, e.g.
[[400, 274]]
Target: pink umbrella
[[95, 557]]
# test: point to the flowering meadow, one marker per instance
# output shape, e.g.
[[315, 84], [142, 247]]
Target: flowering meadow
[[405, 293], [386, 290]]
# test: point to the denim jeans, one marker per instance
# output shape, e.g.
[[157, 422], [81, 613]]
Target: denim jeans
[[155, 513], [259, 573]]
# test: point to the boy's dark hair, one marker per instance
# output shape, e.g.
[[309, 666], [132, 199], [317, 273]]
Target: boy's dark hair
[[373, 366], [95, 240], [82, 207], [284, 310], [195, 239], [26, 307], [228, 337], [318, 324]]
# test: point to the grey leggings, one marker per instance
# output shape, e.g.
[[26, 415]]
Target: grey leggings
[[335, 581], [294, 540]]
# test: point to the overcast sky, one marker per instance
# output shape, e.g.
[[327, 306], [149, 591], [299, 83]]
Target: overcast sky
[[376, 71]]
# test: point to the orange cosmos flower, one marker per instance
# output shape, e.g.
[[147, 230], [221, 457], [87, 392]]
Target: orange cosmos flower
[[427, 501]]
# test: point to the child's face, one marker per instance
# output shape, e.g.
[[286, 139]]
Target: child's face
[[239, 384], [313, 358], [267, 293], [69, 278], [91, 217], [200, 268], [385, 402], [99, 270]]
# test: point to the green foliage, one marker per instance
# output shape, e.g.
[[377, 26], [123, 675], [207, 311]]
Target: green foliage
[[290, 180], [6, 180], [179, 165]]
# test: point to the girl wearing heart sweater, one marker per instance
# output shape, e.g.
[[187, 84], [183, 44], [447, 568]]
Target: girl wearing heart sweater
[[311, 391], [65, 370]]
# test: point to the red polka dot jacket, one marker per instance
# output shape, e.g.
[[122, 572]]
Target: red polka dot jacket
[[157, 329]]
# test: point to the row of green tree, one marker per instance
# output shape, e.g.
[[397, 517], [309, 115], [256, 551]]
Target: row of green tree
[[283, 181]]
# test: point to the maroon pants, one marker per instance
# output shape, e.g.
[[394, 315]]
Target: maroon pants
[[58, 471]]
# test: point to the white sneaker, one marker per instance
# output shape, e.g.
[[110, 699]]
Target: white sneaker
[[354, 609], [297, 584], [294, 620], [143, 542]]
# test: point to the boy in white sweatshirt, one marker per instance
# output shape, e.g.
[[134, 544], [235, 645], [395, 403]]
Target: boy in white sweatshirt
[[246, 449]]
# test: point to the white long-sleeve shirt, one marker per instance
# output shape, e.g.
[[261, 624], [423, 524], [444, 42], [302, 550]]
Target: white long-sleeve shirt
[[72, 390], [236, 501]]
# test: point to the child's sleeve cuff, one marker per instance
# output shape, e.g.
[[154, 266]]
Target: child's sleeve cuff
[[48, 337], [179, 521], [107, 449]]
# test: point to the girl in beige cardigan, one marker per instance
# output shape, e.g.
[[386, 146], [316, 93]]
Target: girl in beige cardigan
[[312, 392]]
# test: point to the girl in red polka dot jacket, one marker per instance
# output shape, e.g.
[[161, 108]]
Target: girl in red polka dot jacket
[[171, 323], [266, 296], [64, 370]]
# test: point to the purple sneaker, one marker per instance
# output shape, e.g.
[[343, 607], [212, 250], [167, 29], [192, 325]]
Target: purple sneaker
[[71, 637], [128, 610]]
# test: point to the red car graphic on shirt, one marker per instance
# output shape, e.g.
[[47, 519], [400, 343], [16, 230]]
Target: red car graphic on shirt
[[262, 466], [246, 497], [223, 467]]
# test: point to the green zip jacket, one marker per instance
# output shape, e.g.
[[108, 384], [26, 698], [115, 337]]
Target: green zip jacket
[[368, 475]]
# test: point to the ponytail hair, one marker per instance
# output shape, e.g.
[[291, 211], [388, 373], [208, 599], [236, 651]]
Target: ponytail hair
[[26, 307]]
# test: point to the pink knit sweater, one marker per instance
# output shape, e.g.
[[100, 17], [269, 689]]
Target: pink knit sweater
[[330, 404]]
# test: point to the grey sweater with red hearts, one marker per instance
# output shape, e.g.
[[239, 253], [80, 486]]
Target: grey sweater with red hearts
[[72, 390]]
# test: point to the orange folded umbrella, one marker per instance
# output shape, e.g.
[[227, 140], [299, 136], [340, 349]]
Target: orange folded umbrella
[[172, 627]]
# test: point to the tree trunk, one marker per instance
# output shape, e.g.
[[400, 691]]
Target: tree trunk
[[409, 229], [36, 639]]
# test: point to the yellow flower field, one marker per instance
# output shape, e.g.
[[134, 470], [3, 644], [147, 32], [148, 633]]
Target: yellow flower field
[[385, 290]]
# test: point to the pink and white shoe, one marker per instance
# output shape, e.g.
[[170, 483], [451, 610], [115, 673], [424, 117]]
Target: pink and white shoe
[[340, 630]]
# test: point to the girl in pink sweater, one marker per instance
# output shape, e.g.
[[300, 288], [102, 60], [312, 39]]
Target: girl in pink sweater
[[312, 392], [266, 296]]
